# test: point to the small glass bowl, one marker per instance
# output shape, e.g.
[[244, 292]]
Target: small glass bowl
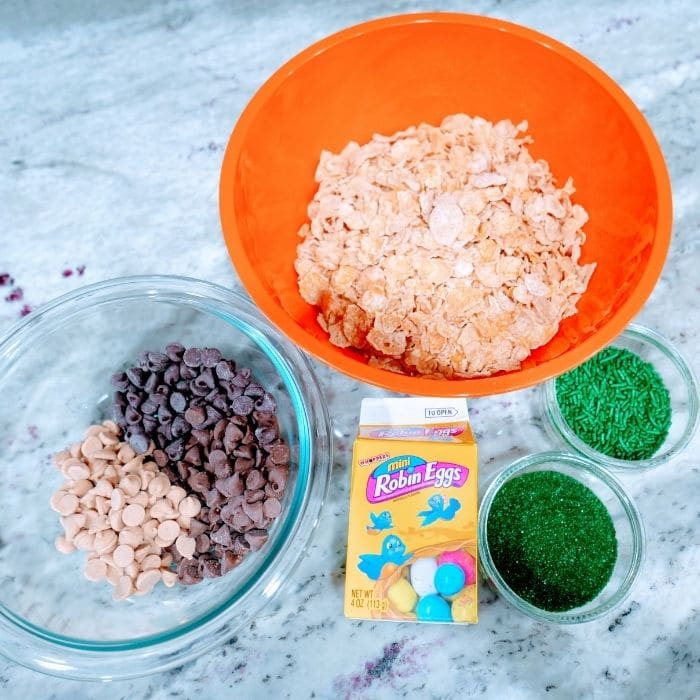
[[55, 368], [679, 380], [628, 529]]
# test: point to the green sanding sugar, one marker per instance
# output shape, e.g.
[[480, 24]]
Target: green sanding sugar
[[552, 540], [617, 403]]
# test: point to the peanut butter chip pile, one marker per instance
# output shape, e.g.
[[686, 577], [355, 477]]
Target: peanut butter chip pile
[[116, 506], [445, 251]]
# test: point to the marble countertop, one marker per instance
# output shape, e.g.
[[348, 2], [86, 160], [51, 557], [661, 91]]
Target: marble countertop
[[114, 119]]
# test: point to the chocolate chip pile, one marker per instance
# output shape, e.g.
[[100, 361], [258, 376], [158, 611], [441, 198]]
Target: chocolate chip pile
[[215, 435]]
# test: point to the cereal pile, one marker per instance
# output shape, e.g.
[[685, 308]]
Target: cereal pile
[[183, 483], [445, 251]]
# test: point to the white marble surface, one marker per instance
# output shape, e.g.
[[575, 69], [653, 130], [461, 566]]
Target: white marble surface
[[114, 118]]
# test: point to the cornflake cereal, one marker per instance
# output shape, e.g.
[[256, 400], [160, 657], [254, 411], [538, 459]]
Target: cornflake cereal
[[445, 251]]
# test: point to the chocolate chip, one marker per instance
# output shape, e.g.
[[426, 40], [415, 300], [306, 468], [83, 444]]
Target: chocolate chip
[[149, 407], [243, 405], [254, 496], [217, 458], [195, 416], [157, 361], [242, 377], [198, 389], [266, 403], [279, 454], [232, 436], [149, 424], [229, 561], [197, 527], [255, 391], [174, 351], [171, 375], [256, 539], [225, 370], [175, 449], [241, 522], [192, 357], [164, 415], [222, 536], [211, 357], [253, 510], [136, 376], [230, 486], [188, 572], [214, 497], [187, 373], [210, 567], [203, 437], [272, 508], [198, 481], [160, 458], [139, 442], [193, 456], [178, 402], [151, 383], [278, 477], [132, 416], [179, 426], [240, 546], [254, 480], [120, 381], [266, 435], [242, 464], [133, 398], [203, 543]]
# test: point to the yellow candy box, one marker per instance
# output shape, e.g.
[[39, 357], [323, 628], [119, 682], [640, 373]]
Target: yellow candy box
[[412, 544]]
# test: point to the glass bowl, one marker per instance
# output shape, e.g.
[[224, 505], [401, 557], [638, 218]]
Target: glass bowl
[[679, 380], [628, 529], [55, 368]]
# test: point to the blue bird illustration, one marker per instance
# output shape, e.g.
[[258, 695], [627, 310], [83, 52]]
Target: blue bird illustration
[[438, 511], [393, 552], [380, 522]]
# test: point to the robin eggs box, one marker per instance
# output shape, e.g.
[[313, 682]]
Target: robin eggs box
[[413, 513]]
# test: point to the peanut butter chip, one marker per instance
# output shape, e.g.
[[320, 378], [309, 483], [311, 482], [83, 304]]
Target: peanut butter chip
[[133, 514], [95, 570], [123, 555], [185, 546]]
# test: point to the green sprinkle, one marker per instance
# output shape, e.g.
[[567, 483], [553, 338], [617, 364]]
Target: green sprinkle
[[617, 404], [552, 540]]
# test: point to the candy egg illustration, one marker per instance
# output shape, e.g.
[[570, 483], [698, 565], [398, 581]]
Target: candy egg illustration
[[433, 608], [402, 596], [449, 579], [464, 560], [423, 575]]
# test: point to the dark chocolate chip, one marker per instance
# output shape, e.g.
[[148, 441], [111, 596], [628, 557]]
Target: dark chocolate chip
[[242, 405], [255, 391], [149, 407], [120, 381], [157, 361], [178, 402], [211, 357], [136, 376], [266, 403], [175, 449], [210, 567], [187, 373], [203, 437], [139, 442], [149, 424], [174, 351], [179, 427], [171, 375], [222, 536], [197, 527], [132, 416], [225, 371], [192, 357]]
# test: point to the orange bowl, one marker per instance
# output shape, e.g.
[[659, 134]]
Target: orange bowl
[[387, 74]]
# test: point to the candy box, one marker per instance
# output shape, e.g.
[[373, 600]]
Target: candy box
[[412, 544]]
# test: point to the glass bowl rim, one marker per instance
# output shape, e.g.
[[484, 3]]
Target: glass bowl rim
[[602, 475], [47, 652], [552, 414]]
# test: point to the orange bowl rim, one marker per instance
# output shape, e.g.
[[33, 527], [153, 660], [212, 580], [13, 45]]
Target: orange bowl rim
[[401, 383]]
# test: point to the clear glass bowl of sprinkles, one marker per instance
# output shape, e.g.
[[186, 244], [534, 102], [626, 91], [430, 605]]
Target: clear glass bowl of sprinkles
[[682, 387], [55, 369], [627, 522]]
